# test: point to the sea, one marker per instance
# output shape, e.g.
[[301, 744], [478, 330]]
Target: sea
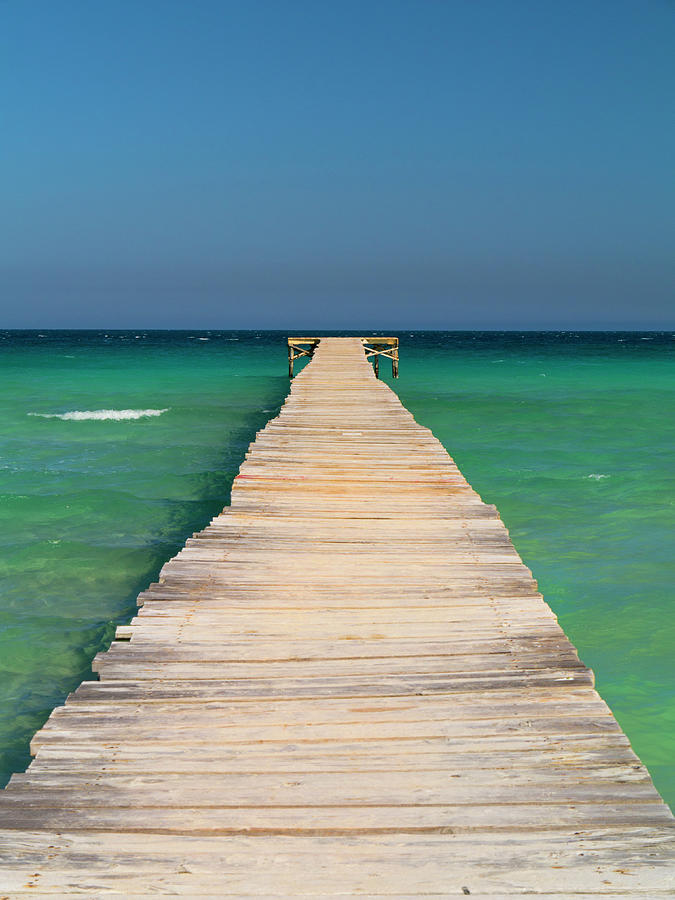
[[116, 445]]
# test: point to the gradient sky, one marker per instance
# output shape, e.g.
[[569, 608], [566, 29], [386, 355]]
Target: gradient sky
[[337, 164]]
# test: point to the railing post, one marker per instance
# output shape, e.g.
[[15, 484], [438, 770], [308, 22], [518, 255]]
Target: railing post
[[376, 365]]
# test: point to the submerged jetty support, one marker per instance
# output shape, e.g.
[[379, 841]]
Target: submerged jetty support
[[347, 684]]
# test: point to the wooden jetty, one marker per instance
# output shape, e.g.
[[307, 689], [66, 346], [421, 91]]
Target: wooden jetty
[[346, 685]]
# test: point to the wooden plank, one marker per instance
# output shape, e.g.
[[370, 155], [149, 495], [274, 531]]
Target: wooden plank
[[509, 864], [320, 819]]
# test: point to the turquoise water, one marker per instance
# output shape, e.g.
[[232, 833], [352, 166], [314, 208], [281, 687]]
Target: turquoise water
[[570, 435]]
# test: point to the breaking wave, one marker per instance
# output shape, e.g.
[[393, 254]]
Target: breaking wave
[[116, 415]]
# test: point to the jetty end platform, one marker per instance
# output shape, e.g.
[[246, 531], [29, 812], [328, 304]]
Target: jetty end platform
[[346, 685]]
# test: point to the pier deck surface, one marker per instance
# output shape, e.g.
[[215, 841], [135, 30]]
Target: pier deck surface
[[347, 684]]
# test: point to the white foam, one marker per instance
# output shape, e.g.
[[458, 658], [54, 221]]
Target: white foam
[[597, 477], [117, 415]]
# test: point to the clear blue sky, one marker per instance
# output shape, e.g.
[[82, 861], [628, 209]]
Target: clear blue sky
[[375, 164]]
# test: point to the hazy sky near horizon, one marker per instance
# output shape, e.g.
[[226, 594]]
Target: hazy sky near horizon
[[337, 164]]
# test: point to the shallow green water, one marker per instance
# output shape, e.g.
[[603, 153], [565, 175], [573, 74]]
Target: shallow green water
[[91, 509], [571, 436]]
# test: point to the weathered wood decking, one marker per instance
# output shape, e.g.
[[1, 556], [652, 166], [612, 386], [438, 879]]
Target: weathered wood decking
[[346, 684]]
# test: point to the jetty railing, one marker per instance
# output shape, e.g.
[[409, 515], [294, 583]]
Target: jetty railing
[[374, 347]]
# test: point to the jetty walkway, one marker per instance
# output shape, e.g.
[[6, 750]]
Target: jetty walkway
[[347, 684]]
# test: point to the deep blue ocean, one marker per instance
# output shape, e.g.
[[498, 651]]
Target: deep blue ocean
[[115, 446]]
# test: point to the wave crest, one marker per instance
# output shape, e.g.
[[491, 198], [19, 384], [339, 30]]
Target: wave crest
[[116, 415]]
